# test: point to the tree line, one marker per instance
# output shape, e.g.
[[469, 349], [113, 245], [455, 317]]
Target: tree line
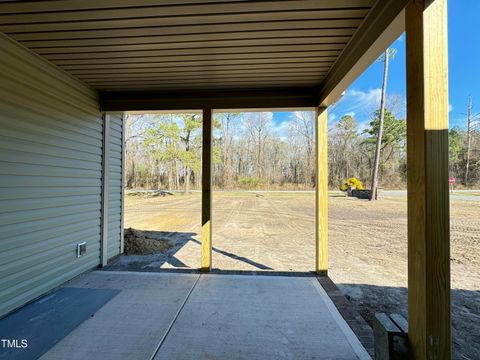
[[250, 151], [164, 151]]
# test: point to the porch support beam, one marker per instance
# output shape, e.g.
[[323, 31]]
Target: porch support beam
[[321, 192], [429, 329], [206, 256], [285, 98]]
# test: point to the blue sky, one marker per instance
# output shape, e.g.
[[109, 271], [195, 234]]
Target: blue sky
[[362, 96]]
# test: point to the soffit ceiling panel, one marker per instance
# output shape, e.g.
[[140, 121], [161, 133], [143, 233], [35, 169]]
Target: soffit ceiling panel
[[187, 44]]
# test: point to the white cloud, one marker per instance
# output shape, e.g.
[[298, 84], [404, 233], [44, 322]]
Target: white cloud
[[331, 117], [450, 107], [362, 126], [364, 98], [281, 129], [359, 103], [362, 104]]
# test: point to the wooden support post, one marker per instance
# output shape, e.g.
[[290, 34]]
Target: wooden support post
[[105, 165], [206, 258], [321, 192], [427, 162]]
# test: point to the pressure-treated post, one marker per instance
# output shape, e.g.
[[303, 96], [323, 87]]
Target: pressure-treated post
[[429, 328], [321, 192], [206, 257]]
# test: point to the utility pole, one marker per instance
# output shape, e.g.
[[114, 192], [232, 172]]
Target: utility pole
[[376, 163]]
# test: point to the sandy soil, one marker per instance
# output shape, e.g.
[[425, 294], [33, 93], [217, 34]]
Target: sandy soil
[[138, 242], [275, 231]]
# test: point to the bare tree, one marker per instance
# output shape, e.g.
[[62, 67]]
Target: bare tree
[[344, 160], [469, 139], [259, 127], [472, 124], [303, 124], [227, 123]]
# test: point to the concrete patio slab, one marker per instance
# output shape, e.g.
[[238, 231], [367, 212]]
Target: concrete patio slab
[[131, 325], [46, 321], [260, 317], [209, 316]]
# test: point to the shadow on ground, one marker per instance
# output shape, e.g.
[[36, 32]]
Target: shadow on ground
[[166, 245], [369, 299]]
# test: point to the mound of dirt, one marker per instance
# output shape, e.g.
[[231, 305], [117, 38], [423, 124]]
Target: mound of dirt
[[137, 243], [147, 194]]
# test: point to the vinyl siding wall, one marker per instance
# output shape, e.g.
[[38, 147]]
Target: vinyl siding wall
[[115, 185], [50, 176]]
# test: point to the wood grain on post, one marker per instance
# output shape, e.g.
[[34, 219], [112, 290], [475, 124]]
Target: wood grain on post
[[428, 202], [321, 192], [206, 257]]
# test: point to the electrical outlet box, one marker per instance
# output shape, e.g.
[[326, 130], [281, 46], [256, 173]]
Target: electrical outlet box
[[81, 249]]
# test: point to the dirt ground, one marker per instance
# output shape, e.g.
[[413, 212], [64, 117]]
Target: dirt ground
[[270, 231]]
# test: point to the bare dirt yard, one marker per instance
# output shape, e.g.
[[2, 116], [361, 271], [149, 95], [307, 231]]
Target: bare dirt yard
[[274, 231]]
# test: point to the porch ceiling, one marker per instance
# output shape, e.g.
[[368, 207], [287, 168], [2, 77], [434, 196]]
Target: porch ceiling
[[190, 45]]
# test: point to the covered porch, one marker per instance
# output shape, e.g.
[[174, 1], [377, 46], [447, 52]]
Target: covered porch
[[120, 56], [193, 316]]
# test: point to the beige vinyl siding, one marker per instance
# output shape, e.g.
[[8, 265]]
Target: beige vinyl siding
[[50, 176], [115, 185]]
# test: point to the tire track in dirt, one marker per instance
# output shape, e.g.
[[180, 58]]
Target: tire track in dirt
[[141, 212], [285, 218], [290, 238], [226, 221]]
